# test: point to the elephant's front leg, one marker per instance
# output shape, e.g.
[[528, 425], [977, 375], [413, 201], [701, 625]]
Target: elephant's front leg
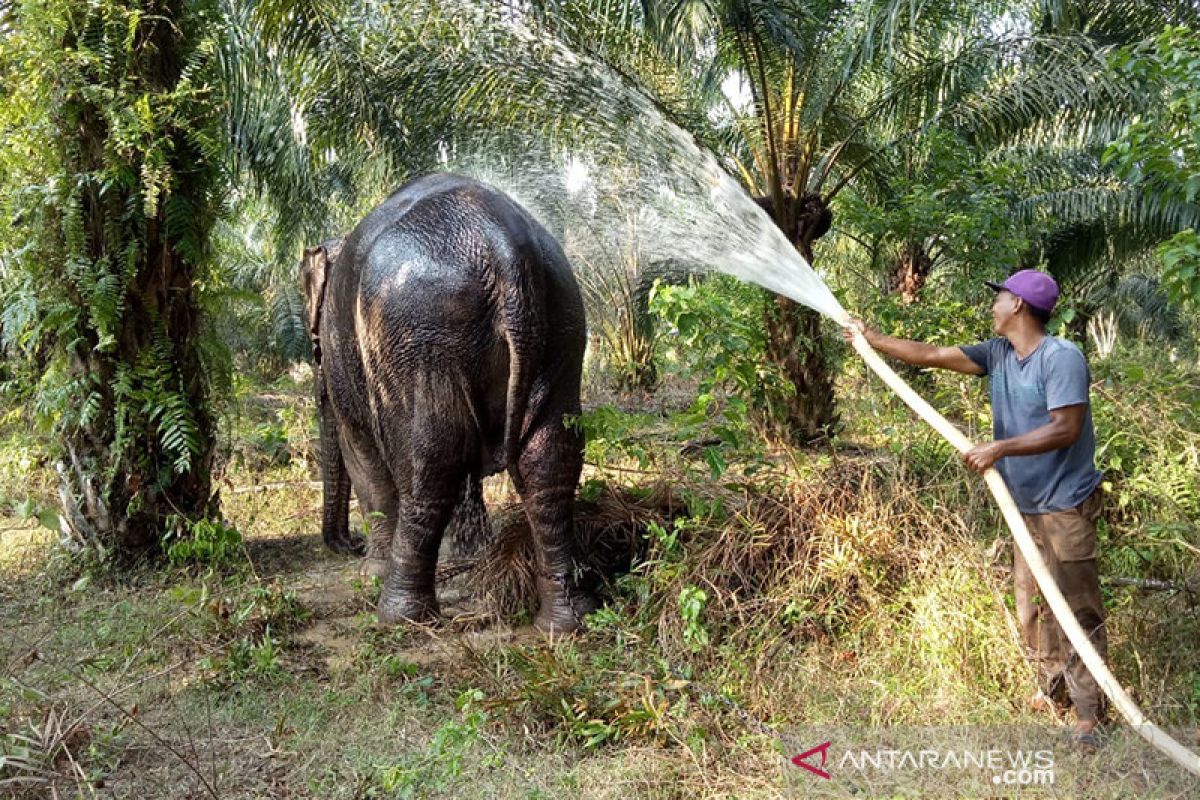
[[378, 500], [335, 507], [380, 508], [549, 470]]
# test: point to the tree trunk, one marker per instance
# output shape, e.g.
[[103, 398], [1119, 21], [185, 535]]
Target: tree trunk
[[137, 457], [805, 412], [910, 272]]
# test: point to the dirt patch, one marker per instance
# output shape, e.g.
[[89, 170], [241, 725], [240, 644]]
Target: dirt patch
[[289, 554], [333, 642], [337, 601], [485, 598]]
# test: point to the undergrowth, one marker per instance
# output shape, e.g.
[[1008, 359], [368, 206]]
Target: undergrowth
[[749, 591]]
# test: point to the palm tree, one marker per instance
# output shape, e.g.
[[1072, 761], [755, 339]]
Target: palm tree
[[931, 202], [108, 127], [1092, 229], [1074, 216], [844, 94]]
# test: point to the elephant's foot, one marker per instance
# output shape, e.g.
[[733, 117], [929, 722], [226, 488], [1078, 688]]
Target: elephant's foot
[[406, 603], [408, 607], [348, 544], [564, 605]]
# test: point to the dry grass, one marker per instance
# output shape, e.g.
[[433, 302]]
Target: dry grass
[[611, 535]]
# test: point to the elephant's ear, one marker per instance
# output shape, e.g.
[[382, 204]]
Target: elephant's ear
[[314, 271]]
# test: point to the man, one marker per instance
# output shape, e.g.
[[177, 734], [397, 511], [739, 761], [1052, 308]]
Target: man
[[1044, 447]]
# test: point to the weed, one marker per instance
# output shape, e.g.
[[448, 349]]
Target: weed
[[272, 605], [691, 607], [442, 765], [611, 435], [664, 541], [246, 658], [44, 751], [204, 542]]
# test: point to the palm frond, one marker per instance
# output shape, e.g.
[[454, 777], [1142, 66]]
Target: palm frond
[[1143, 307], [290, 328], [1116, 22], [1112, 202]]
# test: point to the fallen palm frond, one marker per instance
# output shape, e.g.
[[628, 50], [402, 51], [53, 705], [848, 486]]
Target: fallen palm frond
[[43, 753], [610, 535]]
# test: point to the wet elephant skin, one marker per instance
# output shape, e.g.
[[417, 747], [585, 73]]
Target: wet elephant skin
[[448, 333]]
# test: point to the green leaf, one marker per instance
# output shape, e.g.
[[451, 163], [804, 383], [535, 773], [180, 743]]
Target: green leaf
[[716, 462], [50, 520]]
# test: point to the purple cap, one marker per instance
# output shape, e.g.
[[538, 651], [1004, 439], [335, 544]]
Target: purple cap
[[1036, 288]]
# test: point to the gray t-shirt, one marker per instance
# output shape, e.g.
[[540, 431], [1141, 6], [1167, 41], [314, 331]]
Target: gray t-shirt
[[1024, 391]]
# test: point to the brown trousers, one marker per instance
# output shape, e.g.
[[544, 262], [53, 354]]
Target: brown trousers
[[1067, 541]]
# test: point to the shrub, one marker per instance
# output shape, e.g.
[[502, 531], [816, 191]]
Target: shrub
[[205, 542]]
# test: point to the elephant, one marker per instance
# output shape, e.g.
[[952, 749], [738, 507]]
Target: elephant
[[448, 334]]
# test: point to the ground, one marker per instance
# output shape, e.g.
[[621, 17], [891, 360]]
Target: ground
[[821, 599]]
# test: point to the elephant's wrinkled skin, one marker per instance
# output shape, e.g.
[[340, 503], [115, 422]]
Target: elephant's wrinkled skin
[[449, 337]]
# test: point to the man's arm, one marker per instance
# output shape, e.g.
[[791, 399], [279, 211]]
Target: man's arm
[[1061, 431], [917, 353]]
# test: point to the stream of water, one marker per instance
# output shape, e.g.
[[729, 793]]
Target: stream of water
[[639, 183]]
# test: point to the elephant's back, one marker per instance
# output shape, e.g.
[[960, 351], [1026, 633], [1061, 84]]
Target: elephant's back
[[455, 297], [422, 260], [432, 252]]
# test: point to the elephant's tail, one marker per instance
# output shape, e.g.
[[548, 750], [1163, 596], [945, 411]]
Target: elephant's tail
[[522, 318]]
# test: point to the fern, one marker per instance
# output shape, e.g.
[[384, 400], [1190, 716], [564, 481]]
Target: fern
[[184, 228], [166, 406], [106, 305]]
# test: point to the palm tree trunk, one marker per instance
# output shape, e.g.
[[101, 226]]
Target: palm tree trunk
[[136, 461], [806, 411], [794, 346], [910, 272], [120, 487]]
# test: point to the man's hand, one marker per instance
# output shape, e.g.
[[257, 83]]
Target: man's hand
[[981, 457], [861, 327]]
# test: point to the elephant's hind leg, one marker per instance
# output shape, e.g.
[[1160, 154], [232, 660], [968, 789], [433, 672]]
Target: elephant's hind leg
[[409, 592], [439, 471], [549, 469]]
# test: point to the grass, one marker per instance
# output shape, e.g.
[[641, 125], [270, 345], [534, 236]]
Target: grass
[[768, 598]]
